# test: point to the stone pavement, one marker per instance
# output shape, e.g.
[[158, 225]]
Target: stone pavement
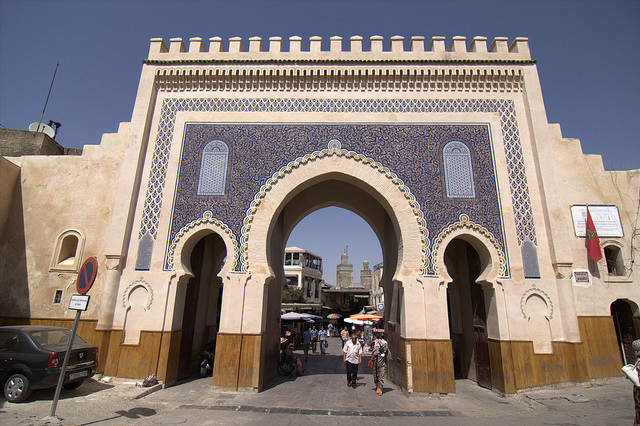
[[321, 396]]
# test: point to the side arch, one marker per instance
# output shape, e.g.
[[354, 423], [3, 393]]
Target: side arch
[[184, 241], [491, 255], [476, 304]]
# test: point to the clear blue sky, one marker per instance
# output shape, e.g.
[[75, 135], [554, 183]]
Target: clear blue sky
[[587, 52]]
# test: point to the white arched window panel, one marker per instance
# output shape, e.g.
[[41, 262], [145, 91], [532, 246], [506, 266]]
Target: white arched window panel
[[213, 168], [458, 170], [67, 253]]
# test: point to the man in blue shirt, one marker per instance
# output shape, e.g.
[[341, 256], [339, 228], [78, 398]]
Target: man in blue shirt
[[306, 342], [314, 338]]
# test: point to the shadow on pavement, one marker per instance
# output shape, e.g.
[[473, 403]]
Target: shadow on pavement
[[136, 413], [133, 413], [89, 387]]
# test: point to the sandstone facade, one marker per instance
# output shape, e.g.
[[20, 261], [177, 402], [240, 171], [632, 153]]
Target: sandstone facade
[[444, 150]]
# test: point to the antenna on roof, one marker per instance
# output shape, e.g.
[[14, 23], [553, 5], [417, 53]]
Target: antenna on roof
[[47, 101]]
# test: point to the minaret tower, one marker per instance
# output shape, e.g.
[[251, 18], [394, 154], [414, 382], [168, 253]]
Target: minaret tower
[[344, 273]]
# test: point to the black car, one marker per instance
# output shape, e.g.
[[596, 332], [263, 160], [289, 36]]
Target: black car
[[31, 357]]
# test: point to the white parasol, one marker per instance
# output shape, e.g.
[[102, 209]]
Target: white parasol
[[295, 316], [357, 322]]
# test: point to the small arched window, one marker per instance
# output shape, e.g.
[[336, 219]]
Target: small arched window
[[615, 263], [458, 170], [67, 252], [213, 168]]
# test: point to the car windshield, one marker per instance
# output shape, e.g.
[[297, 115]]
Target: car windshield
[[46, 339]]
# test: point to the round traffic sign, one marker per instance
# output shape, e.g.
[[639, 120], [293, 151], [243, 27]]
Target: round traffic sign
[[87, 275]]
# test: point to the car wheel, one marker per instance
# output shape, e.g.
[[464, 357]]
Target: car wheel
[[17, 388], [72, 386]]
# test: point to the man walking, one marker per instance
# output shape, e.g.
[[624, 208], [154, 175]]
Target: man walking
[[314, 338], [344, 335], [306, 342], [352, 356], [322, 338]]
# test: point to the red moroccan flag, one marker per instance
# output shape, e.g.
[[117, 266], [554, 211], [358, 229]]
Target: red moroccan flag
[[593, 242]]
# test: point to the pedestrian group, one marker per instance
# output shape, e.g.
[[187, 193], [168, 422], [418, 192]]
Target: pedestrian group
[[352, 350]]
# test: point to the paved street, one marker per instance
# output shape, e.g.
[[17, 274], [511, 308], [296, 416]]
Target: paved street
[[321, 396]]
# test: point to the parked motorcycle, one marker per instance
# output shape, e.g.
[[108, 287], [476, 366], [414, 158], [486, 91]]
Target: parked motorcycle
[[206, 358]]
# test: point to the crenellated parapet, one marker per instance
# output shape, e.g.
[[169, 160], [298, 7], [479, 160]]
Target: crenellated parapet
[[476, 51], [476, 67]]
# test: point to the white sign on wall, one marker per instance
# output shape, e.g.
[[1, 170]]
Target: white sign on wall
[[605, 218], [581, 277]]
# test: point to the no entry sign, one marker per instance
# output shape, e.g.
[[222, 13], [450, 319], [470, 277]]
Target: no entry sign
[[87, 275]]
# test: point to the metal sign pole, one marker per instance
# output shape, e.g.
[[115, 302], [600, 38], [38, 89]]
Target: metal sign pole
[[79, 303], [64, 364]]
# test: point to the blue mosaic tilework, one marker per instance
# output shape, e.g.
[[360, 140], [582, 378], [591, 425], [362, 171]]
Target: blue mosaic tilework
[[413, 152], [516, 171]]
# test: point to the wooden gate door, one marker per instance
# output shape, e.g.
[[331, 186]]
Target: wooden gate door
[[483, 366]]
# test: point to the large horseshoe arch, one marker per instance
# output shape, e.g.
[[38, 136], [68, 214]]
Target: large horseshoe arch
[[331, 178]]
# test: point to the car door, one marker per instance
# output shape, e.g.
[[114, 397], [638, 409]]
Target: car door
[[8, 348]]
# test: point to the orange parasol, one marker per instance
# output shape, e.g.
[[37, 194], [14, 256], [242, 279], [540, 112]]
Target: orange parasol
[[366, 317]]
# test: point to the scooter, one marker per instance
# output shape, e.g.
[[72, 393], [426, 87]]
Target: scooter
[[206, 358]]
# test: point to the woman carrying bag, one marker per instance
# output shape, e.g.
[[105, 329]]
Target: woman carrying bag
[[379, 356]]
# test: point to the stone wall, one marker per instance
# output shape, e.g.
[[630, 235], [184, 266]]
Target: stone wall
[[9, 176], [58, 195], [16, 143]]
